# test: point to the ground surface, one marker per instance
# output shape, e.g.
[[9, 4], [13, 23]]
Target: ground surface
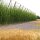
[[26, 25]]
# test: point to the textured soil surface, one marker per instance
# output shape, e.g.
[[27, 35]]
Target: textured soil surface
[[26, 25]]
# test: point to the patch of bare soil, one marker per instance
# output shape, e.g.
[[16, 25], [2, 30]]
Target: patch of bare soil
[[26, 25]]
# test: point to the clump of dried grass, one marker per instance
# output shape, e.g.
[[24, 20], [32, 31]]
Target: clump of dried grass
[[19, 35]]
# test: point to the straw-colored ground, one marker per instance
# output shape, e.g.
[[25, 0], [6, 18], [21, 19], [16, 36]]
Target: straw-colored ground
[[11, 33], [19, 34]]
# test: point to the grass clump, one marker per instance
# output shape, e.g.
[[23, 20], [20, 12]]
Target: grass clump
[[17, 34], [12, 15]]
